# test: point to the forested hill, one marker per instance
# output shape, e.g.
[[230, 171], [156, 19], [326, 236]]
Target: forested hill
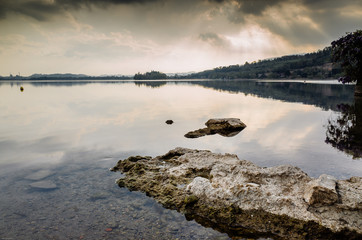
[[316, 65]]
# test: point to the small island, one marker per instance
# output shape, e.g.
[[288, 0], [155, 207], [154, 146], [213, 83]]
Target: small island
[[153, 75]]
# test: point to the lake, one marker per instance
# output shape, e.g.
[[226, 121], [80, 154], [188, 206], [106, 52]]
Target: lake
[[59, 139]]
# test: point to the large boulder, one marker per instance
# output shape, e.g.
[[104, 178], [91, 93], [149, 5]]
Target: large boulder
[[239, 197]]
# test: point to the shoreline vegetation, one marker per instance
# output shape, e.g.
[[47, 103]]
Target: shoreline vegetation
[[316, 65]]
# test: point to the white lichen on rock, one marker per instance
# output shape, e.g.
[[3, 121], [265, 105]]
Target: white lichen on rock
[[221, 180]]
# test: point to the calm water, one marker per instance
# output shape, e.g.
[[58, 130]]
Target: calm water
[[73, 132]]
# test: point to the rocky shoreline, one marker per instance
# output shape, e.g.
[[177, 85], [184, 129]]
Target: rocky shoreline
[[237, 197]]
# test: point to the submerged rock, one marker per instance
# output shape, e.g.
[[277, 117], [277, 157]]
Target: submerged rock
[[227, 127], [235, 195], [43, 185], [38, 175]]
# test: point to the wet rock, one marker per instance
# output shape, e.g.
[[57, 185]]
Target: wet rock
[[227, 127], [228, 193], [169, 122], [225, 123], [39, 175], [137, 158], [43, 185]]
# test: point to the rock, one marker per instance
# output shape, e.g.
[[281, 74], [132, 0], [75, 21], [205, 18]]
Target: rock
[[44, 185], [98, 196], [321, 191], [169, 122], [227, 127], [229, 193], [137, 158], [225, 123], [38, 175]]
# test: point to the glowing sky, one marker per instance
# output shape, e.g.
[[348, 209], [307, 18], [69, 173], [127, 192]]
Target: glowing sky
[[127, 36]]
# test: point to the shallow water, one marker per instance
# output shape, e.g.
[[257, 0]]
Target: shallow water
[[78, 130]]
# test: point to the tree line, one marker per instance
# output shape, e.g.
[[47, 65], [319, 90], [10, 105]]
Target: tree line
[[316, 65]]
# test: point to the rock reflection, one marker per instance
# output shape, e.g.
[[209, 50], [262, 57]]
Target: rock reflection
[[345, 131]]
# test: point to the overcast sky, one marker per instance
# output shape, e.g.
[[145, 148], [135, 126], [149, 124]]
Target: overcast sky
[[128, 36]]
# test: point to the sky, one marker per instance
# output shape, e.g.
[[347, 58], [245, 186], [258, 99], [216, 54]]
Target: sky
[[109, 37]]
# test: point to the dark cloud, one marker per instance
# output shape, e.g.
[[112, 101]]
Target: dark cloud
[[80, 3], [3, 9], [256, 7], [334, 18], [239, 10], [37, 9], [213, 39], [322, 19], [328, 4], [297, 33], [325, 19], [42, 10]]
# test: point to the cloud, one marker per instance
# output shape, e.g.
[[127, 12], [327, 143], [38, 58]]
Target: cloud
[[3, 10], [166, 33], [214, 39], [328, 4], [80, 3], [241, 8], [43, 10], [256, 7], [39, 10]]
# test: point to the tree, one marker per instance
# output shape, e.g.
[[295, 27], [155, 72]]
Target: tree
[[153, 75], [347, 51]]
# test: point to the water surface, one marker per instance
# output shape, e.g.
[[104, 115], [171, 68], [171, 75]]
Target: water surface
[[78, 130]]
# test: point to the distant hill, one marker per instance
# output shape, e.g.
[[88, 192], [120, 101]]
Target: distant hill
[[65, 76], [57, 76], [316, 65]]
